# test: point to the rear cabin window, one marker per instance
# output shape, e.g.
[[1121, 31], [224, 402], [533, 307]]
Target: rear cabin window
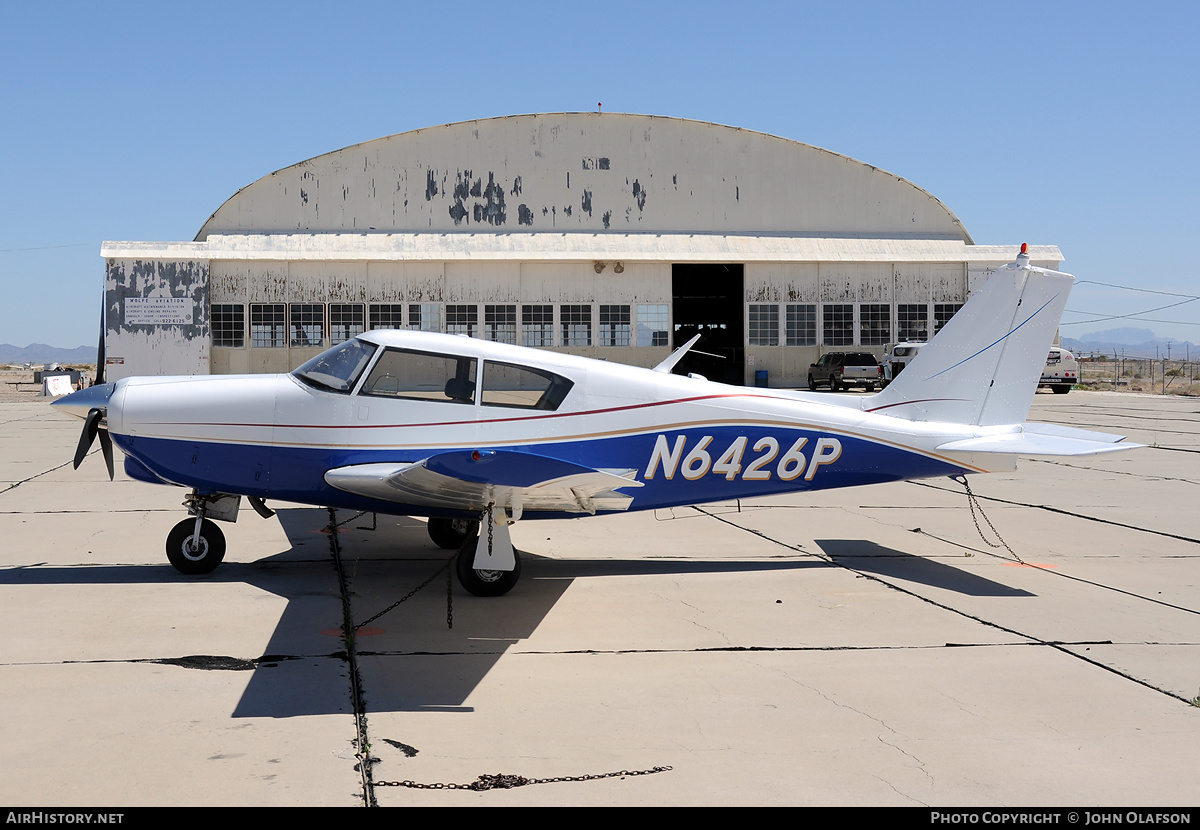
[[422, 376], [520, 387], [859, 359]]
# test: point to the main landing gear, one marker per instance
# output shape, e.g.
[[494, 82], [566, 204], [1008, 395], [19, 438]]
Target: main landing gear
[[451, 534], [487, 564]]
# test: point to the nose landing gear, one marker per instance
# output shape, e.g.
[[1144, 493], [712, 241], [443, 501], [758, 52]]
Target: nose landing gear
[[197, 545]]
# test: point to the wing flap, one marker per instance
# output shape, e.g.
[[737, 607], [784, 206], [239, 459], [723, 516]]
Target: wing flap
[[470, 480]]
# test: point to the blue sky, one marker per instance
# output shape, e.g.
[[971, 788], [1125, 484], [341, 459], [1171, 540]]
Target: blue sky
[[1074, 124]]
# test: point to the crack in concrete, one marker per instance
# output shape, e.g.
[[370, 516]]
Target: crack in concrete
[[357, 700], [17, 484]]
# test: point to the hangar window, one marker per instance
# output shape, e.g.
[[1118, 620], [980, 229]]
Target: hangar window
[[837, 324], [387, 315], [228, 325], [614, 325], [500, 323], [307, 324], [537, 325], [346, 322], [652, 325], [268, 325], [875, 324], [425, 316], [422, 376], [764, 324], [522, 387], [942, 312], [462, 319], [801, 325], [912, 322], [576, 325]]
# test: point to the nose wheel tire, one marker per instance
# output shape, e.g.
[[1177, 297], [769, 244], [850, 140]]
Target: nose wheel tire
[[191, 555], [450, 534], [479, 582]]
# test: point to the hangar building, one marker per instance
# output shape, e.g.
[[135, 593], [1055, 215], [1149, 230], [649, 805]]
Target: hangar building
[[608, 235]]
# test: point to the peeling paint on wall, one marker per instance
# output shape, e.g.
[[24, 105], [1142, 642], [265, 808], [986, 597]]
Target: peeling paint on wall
[[531, 159], [156, 348], [639, 195], [524, 215]]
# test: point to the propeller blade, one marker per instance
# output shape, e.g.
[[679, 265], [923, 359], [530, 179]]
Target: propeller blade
[[88, 435], [100, 354], [106, 448]]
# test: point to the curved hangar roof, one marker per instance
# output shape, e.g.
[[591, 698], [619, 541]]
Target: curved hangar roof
[[586, 172]]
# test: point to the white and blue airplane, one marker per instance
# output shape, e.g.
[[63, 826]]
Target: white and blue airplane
[[472, 433]]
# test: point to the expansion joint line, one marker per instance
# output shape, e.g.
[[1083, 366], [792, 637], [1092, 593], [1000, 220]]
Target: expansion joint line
[[1056, 645], [1062, 512], [356, 694]]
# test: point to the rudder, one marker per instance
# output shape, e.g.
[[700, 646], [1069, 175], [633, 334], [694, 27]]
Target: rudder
[[983, 367]]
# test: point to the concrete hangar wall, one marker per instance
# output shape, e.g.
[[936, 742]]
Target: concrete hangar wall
[[609, 235]]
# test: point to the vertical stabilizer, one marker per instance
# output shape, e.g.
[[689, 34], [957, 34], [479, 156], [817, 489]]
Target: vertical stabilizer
[[983, 367]]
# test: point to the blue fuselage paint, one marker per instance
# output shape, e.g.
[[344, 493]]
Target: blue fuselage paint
[[694, 465]]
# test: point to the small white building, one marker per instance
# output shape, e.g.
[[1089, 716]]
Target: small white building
[[609, 235]]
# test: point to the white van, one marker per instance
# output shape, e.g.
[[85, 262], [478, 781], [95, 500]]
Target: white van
[[896, 357], [1061, 372]]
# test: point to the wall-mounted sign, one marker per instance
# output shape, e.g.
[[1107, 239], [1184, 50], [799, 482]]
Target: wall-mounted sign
[[158, 311]]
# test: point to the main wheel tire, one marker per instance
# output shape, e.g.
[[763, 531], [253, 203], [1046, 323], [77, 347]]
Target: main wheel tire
[[483, 583], [450, 534], [208, 552], [1061, 390]]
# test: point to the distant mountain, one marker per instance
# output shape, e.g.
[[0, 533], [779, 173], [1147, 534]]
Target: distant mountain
[[1128, 336], [41, 353], [1132, 342]]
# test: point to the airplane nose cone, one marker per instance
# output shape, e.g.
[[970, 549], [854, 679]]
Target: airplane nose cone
[[81, 402]]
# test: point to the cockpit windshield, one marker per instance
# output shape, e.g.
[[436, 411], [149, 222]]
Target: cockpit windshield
[[337, 369]]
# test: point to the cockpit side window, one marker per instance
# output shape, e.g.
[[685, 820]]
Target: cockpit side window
[[422, 376], [523, 387]]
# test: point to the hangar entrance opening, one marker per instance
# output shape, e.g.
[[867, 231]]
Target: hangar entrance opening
[[710, 300]]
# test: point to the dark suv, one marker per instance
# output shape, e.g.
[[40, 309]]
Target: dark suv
[[845, 369]]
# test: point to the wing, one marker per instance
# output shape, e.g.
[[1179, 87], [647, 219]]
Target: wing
[[470, 480]]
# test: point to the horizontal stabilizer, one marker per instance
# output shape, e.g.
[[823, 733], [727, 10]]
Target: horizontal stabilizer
[[1043, 439], [470, 480]]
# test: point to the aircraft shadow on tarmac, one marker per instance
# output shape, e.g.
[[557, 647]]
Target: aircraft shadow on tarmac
[[868, 557], [409, 659]]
